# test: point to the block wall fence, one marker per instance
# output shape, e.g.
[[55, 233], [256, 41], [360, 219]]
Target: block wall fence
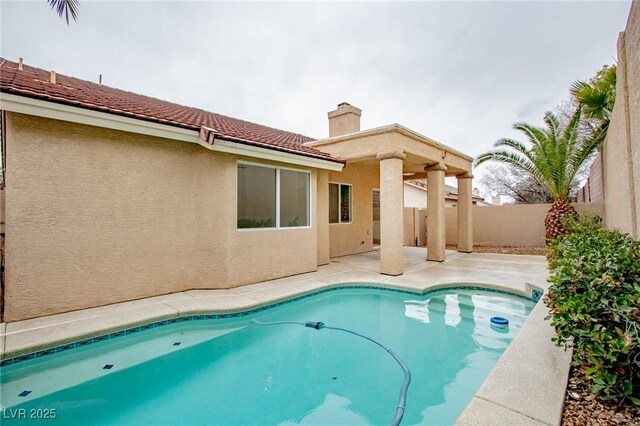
[[520, 225], [621, 151]]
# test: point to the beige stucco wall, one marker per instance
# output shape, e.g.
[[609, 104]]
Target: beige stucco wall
[[344, 120], [520, 225], [321, 214], [632, 46], [621, 151], [411, 226], [96, 216], [391, 213], [1, 209], [593, 189], [355, 237]]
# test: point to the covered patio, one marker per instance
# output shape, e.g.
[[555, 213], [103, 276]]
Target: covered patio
[[394, 153]]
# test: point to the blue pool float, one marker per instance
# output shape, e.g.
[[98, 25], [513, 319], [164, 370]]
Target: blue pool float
[[500, 322]]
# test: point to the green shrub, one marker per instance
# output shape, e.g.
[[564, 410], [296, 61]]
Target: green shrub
[[594, 300]]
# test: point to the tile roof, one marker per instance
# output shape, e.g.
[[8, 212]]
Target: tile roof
[[35, 83]]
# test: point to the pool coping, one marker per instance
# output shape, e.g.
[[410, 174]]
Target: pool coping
[[535, 397], [528, 383]]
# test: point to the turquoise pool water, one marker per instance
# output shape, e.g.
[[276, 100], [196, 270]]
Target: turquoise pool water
[[234, 372]]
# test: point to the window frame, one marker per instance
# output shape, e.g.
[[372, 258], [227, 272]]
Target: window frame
[[277, 168], [340, 222]]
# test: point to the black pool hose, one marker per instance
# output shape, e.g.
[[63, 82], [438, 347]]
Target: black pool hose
[[407, 374]]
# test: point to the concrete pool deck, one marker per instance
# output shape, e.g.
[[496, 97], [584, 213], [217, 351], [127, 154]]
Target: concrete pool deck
[[525, 387]]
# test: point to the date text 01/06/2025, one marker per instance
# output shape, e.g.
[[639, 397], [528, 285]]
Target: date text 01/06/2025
[[23, 413]]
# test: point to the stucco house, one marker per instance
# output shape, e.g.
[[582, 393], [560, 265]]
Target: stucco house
[[113, 196]]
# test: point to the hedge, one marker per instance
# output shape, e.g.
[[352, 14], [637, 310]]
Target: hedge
[[594, 299]]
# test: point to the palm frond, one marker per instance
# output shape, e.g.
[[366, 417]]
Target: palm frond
[[552, 122], [508, 157], [597, 96], [536, 135], [521, 149], [511, 143], [584, 151], [555, 154], [65, 8], [570, 140], [571, 131]]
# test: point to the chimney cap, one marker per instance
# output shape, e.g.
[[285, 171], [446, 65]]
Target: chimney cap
[[344, 108]]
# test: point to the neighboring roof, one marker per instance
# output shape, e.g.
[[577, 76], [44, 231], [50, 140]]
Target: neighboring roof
[[449, 191], [35, 83]]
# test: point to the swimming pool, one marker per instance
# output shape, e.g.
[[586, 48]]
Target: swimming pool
[[231, 371]]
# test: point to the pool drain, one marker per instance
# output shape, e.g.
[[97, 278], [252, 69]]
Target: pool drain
[[407, 374]]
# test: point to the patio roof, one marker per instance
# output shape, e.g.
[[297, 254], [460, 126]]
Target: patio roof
[[420, 151]]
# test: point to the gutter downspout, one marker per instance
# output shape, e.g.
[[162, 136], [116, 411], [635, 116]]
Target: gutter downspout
[[208, 137]]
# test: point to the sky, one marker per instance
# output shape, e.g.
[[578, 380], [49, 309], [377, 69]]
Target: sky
[[460, 73]]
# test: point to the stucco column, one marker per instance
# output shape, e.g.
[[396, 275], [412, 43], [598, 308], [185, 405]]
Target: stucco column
[[391, 212], [435, 212], [322, 216], [465, 213]]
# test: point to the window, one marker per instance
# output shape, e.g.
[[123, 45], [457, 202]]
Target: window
[[256, 196], [294, 198], [271, 197], [339, 203]]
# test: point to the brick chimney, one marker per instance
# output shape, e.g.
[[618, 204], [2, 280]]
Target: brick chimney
[[344, 120]]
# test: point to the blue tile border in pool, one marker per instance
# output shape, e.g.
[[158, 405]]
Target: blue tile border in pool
[[536, 294], [132, 330]]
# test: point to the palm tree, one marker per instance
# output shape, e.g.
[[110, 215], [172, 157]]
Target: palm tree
[[66, 8], [597, 98], [555, 155]]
